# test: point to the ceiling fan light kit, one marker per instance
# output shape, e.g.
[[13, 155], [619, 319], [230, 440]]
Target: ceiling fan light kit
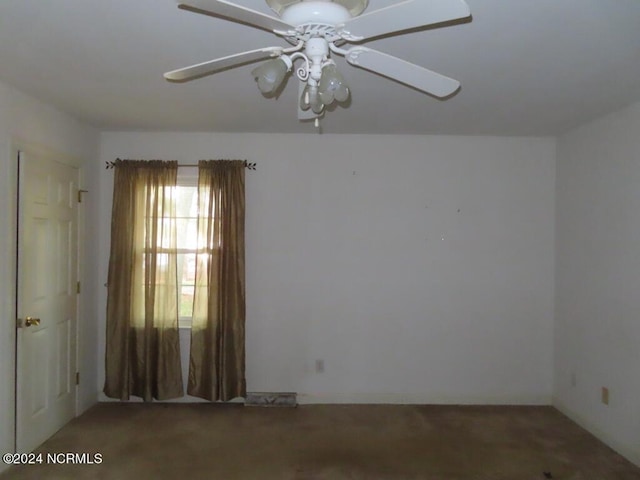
[[319, 28]]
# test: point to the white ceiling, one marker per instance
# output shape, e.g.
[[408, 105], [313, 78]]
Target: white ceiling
[[527, 67]]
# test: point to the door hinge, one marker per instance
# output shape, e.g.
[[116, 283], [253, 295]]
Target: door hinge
[[78, 287], [77, 378], [80, 192]]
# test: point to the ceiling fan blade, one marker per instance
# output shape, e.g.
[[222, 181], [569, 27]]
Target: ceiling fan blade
[[402, 71], [403, 16], [236, 13], [213, 66]]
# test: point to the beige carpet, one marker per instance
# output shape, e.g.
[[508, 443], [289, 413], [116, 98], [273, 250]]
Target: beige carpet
[[203, 441]]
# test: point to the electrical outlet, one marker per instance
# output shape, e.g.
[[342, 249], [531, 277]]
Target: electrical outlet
[[319, 366], [605, 395]]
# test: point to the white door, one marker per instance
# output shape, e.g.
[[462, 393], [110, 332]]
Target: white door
[[47, 298]]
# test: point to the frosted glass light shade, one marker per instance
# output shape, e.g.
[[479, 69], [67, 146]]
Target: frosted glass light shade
[[316, 104], [310, 99], [305, 99], [270, 75], [332, 86]]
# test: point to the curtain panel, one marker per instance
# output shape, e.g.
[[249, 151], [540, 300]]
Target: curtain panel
[[217, 358], [142, 348]]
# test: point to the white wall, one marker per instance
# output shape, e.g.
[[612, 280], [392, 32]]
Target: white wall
[[24, 119], [419, 268], [597, 333]]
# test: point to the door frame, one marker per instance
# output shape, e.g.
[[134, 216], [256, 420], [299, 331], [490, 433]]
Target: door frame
[[18, 145]]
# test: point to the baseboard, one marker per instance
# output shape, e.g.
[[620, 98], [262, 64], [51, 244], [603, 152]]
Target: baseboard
[[315, 398], [625, 451], [417, 399]]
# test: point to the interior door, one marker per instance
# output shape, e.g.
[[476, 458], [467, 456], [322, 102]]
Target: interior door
[[47, 298]]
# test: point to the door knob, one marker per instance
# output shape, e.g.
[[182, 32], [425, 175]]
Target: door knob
[[31, 321]]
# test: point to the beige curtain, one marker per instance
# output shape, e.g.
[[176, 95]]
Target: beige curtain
[[217, 361], [143, 350]]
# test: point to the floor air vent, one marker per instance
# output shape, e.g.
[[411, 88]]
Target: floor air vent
[[270, 399]]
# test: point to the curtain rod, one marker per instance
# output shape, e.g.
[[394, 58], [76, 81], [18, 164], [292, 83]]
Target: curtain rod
[[247, 165]]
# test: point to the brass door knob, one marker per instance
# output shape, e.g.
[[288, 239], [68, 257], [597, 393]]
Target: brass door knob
[[31, 321]]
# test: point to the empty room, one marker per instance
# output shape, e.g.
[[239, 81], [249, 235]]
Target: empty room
[[320, 239]]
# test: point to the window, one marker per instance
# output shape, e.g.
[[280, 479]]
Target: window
[[186, 243], [185, 196]]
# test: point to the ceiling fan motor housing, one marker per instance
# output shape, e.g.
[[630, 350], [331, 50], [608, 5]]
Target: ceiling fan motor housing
[[315, 12], [355, 7]]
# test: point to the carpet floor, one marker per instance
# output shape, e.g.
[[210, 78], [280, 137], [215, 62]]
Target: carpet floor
[[326, 442]]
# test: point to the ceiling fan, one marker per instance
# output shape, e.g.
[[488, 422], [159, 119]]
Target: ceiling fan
[[318, 28]]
